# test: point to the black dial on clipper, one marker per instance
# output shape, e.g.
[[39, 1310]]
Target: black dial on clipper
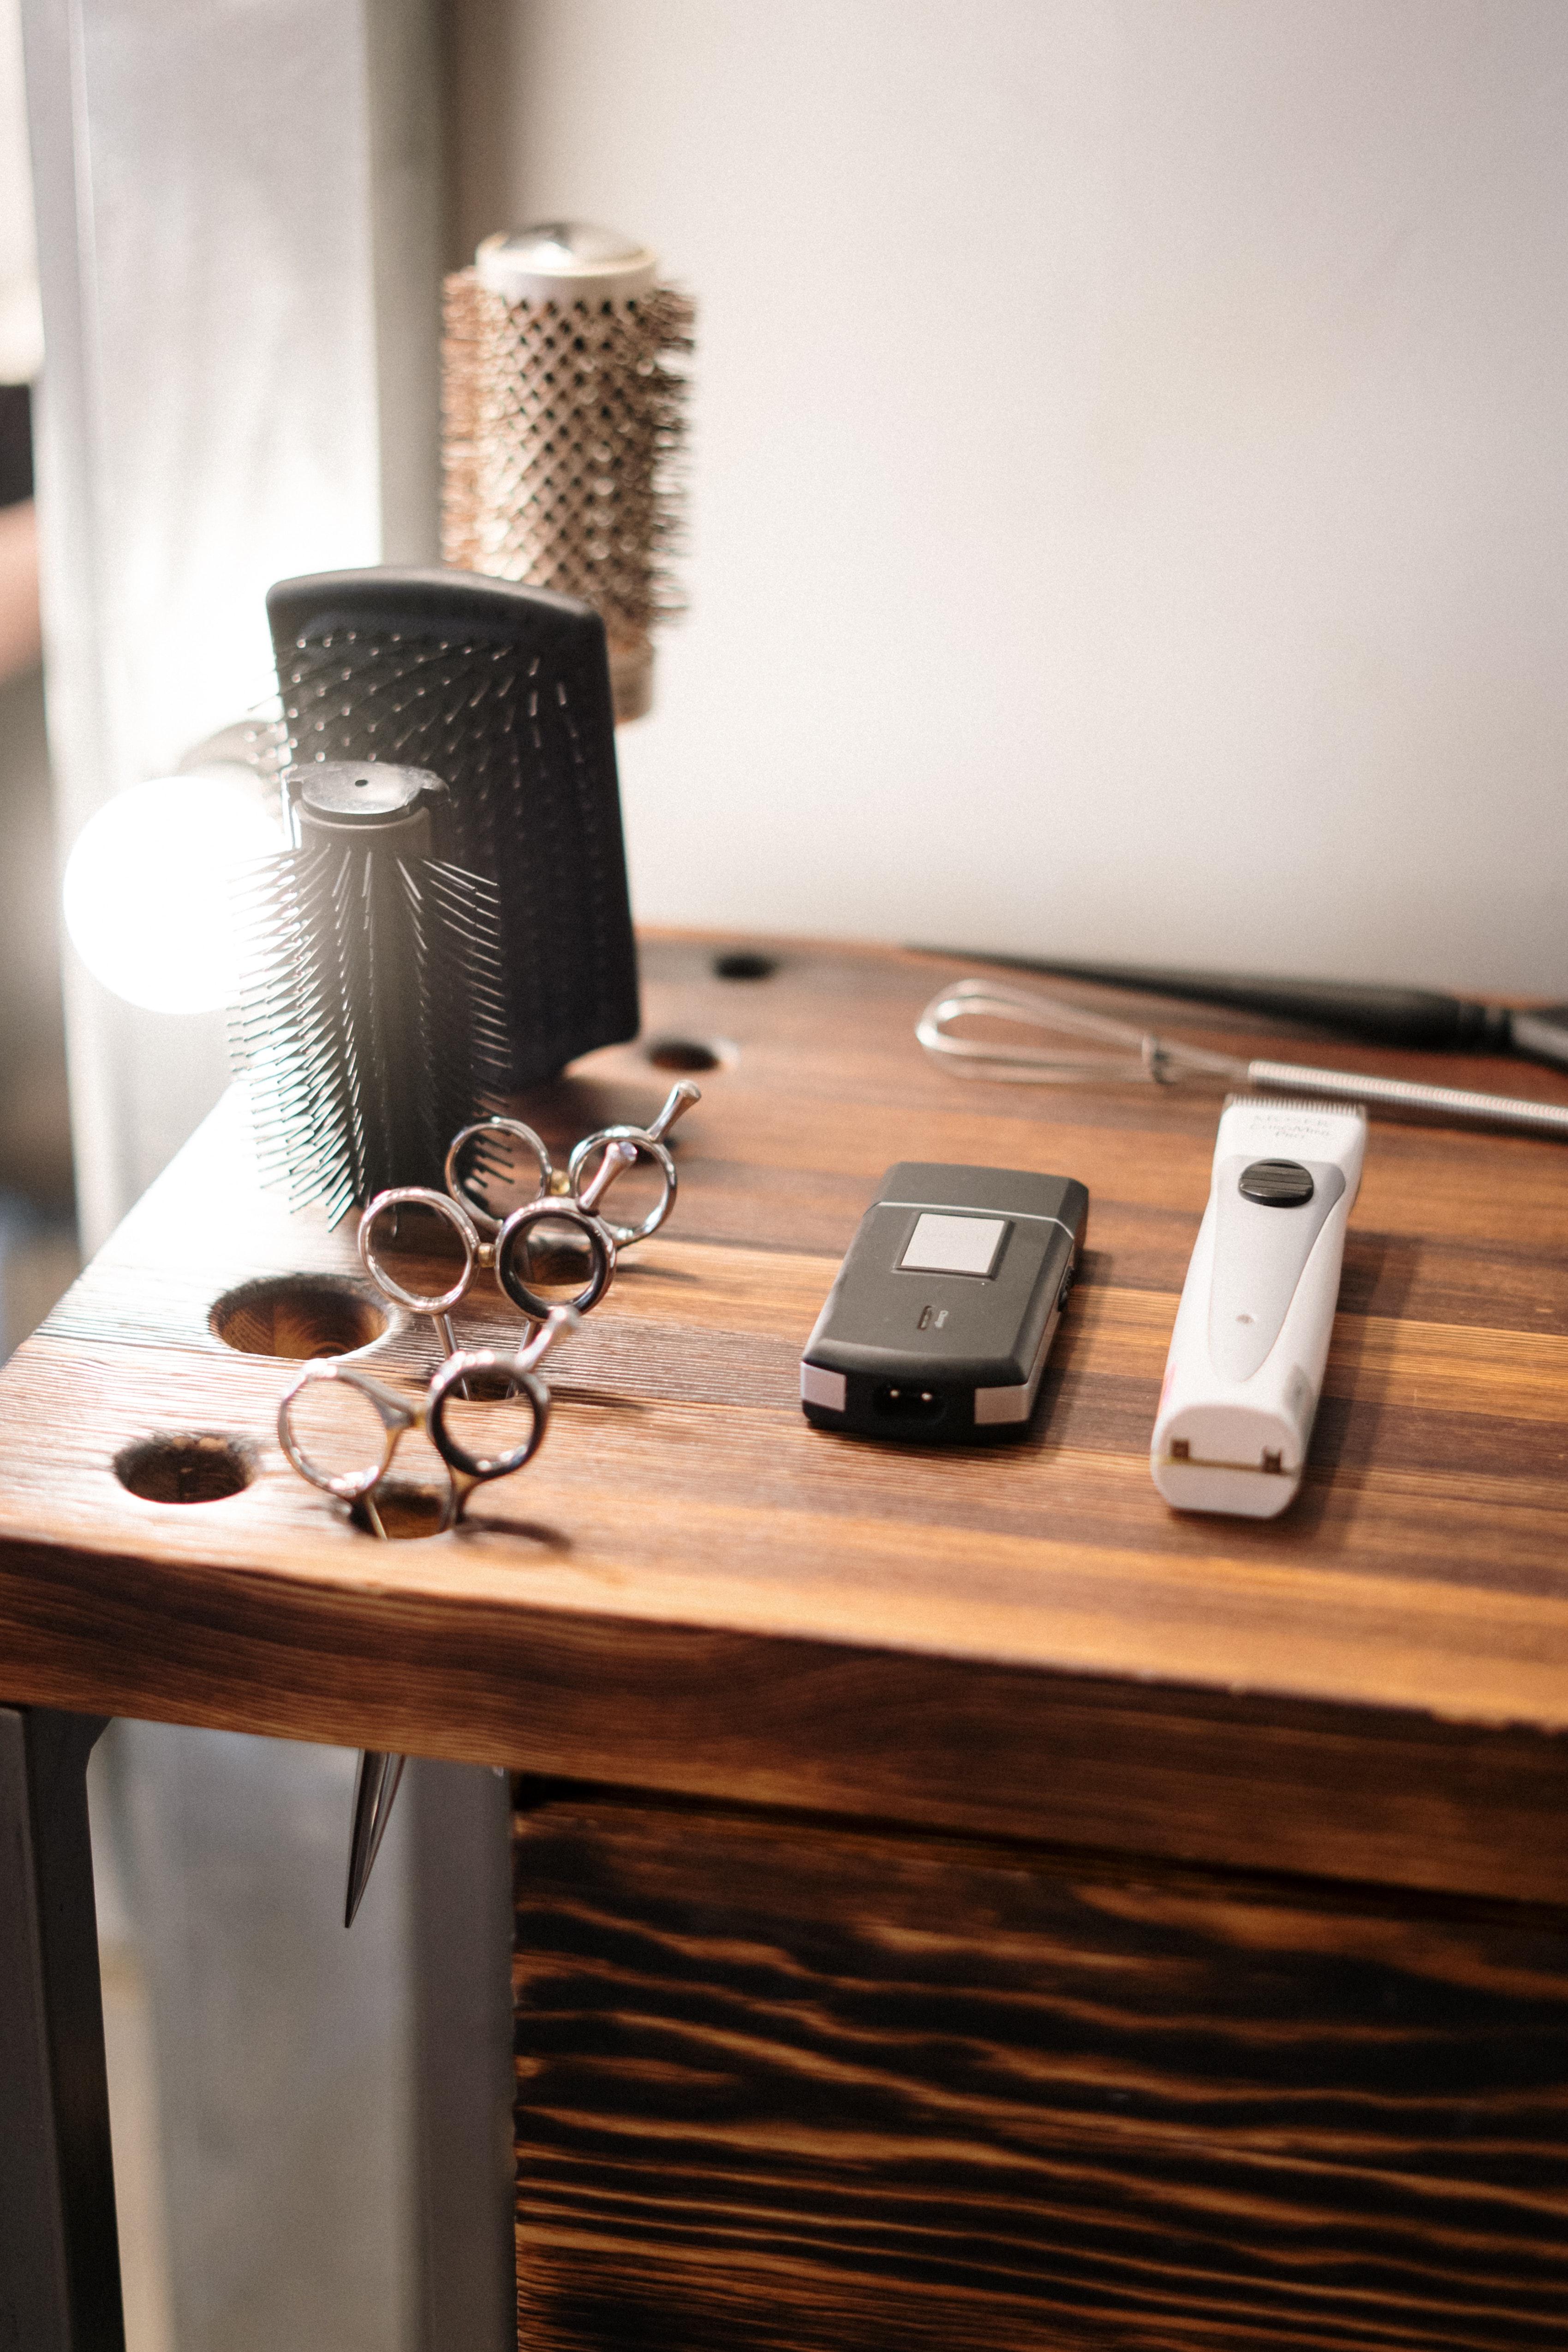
[[1276, 1183]]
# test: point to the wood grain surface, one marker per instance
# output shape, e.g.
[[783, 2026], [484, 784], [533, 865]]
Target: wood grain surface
[[690, 1591], [802, 2092]]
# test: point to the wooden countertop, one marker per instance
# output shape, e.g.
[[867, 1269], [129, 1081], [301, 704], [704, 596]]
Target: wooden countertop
[[692, 1591]]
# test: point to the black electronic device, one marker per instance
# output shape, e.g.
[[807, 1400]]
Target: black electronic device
[[940, 1318]]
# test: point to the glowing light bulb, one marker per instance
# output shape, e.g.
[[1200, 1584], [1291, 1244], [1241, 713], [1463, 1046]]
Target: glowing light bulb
[[147, 887]]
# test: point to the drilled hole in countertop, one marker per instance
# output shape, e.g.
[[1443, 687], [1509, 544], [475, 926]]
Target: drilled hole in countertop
[[743, 965], [184, 1466], [689, 1054], [298, 1316], [406, 1513]]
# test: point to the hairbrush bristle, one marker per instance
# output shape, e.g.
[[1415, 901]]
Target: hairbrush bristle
[[370, 1023], [564, 428]]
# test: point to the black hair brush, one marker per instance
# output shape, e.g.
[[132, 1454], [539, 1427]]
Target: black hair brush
[[504, 692], [372, 1021]]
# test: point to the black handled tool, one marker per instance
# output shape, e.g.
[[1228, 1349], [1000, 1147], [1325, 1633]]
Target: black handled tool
[[1377, 1013]]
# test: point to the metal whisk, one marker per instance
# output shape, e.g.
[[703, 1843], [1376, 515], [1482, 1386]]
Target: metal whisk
[[1122, 1052]]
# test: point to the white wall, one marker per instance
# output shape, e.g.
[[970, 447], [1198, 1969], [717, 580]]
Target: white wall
[[1130, 495]]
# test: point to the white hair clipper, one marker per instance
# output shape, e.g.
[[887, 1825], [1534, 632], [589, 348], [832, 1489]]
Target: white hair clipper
[[1251, 1334]]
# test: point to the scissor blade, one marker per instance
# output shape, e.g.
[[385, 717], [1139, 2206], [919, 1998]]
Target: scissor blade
[[375, 1790]]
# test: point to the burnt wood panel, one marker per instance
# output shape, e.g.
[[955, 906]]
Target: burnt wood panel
[[811, 2093]]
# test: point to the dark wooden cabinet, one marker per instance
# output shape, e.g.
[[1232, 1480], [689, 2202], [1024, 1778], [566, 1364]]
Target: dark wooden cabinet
[[781, 2084]]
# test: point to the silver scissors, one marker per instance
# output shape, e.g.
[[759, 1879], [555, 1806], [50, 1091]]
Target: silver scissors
[[376, 1783], [464, 1469], [648, 1142], [499, 1244], [576, 1180]]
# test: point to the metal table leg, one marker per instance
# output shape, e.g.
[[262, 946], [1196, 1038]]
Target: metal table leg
[[59, 2254], [462, 1874]]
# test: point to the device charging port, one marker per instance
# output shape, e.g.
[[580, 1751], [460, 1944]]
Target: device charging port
[[891, 1403]]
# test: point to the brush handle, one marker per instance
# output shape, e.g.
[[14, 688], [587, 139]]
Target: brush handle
[[1377, 1014], [1403, 1094]]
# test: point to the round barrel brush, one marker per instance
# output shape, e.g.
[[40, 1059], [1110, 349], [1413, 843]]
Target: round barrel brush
[[372, 1021], [564, 407]]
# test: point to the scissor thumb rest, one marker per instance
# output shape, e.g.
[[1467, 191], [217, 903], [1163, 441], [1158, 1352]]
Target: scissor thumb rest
[[556, 1325], [677, 1102], [642, 1142], [618, 1157]]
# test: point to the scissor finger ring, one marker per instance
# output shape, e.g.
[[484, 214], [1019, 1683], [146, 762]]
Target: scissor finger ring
[[396, 1420], [456, 1373], [519, 1231], [646, 1142], [516, 1238], [452, 1214], [482, 1131], [579, 1169]]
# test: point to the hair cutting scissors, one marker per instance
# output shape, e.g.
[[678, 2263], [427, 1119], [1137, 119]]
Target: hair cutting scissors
[[648, 1142], [516, 1374], [487, 1241], [499, 1244]]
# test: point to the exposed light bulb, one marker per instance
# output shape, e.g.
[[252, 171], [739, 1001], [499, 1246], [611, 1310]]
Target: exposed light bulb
[[147, 887]]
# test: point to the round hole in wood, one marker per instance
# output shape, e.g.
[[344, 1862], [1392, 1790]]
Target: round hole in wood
[[406, 1513], [298, 1316], [689, 1054], [742, 965], [185, 1465]]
